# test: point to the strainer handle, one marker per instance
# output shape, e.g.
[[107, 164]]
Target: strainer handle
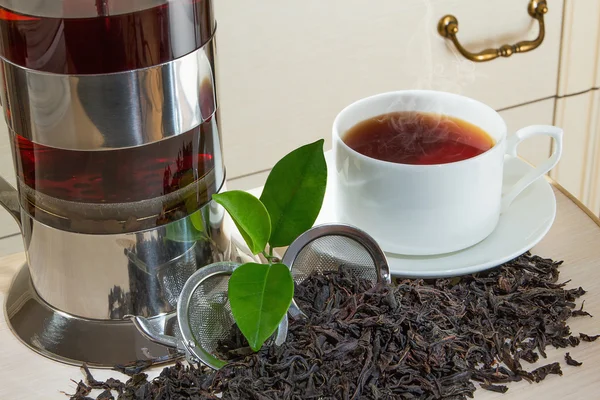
[[152, 331]]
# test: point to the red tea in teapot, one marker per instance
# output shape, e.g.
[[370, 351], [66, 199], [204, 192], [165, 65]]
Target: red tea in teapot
[[100, 36], [113, 191], [116, 176]]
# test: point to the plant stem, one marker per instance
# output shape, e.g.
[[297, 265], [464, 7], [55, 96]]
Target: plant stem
[[269, 256]]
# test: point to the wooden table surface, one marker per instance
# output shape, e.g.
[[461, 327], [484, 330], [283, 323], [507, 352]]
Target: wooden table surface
[[574, 238]]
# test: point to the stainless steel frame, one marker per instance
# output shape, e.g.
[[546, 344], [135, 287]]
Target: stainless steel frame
[[110, 276], [111, 111], [113, 218]]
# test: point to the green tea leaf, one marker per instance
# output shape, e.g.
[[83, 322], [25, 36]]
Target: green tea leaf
[[197, 220], [249, 215], [260, 296], [294, 193], [188, 229]]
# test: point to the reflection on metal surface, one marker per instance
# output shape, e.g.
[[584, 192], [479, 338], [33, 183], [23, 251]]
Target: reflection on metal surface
[[73, 340], [110, 111], [110, 276], [448, 28], [153, 330]]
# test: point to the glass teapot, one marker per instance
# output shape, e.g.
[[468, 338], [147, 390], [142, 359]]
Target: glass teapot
[[113, 123]]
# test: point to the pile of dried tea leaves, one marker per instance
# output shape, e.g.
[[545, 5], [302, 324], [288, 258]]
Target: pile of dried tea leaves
[[415, 340]]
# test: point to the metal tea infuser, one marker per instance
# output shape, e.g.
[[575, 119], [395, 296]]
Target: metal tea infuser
[[204, 315], [330, 247]]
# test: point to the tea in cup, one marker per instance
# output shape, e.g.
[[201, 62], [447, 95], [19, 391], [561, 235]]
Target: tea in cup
[[421, 171]]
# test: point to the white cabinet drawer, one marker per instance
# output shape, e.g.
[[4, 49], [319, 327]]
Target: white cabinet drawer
[[287, 68]]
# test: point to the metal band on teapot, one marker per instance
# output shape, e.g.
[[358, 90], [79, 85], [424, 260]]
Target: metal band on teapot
[[110, 111]]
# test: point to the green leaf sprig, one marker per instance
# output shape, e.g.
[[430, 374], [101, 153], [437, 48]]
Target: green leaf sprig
[[261, 294]]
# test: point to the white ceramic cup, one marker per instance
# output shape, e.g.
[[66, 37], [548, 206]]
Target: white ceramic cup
[[429, 209]]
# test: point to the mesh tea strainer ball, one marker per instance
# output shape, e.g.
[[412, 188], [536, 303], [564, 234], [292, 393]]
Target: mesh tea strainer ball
[[206, 327], [330, 247]]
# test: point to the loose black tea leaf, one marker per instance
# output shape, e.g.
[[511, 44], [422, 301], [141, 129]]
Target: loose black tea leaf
[[81, 392], [539, 374], [106, 395], [415, 340], [94, 384], [234, 347], [494, 388], [571, 361], [174, 383], [588, 338], [580, 312], [134, 367]]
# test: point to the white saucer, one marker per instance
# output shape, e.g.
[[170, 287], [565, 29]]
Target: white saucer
[[523, 226]]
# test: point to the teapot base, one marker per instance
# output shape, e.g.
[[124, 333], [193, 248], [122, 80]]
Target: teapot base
[[74, 340]]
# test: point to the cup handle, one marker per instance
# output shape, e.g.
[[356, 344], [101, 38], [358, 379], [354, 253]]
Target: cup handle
[[511, 150]]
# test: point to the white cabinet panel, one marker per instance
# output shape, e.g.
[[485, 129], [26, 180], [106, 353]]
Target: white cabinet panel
[[579, 112], [577, 115], [287, 68], [579, 66], [591, 195]]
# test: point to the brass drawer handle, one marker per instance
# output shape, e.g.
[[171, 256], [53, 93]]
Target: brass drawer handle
[[448, 28]]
